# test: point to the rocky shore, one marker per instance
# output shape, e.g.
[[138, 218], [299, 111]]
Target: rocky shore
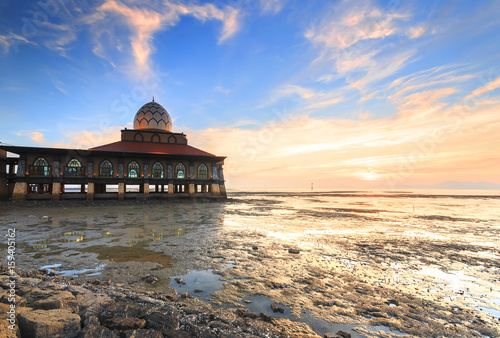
[[53, 306]]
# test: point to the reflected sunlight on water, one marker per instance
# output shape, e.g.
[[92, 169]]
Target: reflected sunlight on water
[[439, 245]]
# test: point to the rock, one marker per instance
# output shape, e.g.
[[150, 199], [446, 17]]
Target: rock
[[171, 298], [265, 317], [392, 301], [52, 273], [121, 310], [97, 331], [294, 251], [124, 323], [19, 301], [49, 323], [151, 279], [247, 301], [179, 280], [343, 334], [246, 314], [6, 331], [276, 308], [198, 290], [58, 300], [220, 326], [255, 247], [90, 301], [159, 321], [330, 335], [143, 333], [177, 334]]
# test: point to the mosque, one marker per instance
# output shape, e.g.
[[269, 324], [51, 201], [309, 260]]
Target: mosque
[[150, 161]]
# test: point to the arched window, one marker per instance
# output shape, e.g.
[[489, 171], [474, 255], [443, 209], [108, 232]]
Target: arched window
[[180, 171], [155, 138], [202, 172], [74, 168], [157, 170], [133, 169], [106, 169], [40, 167], [172, 139], [138, 137], [41, 162]]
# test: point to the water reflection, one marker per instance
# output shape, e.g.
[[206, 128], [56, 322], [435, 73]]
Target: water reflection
[[52, 231], [405, 244]]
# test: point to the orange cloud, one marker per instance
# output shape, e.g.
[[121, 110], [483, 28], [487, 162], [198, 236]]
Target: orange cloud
[[486, 88], [411, 148], [36, 136]]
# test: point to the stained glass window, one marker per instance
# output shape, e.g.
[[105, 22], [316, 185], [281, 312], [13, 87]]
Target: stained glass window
[[133, 169], [40, 167], [41, 162], [180, 171], [202, 172], [157, 170], [74, 168], [106, 169]]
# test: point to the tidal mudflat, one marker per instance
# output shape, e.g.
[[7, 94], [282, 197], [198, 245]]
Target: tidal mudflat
[[373, 264]]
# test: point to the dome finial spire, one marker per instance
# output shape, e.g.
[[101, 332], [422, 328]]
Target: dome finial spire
[[153, 99]]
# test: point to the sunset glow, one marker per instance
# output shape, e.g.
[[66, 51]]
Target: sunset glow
[[342, 94]]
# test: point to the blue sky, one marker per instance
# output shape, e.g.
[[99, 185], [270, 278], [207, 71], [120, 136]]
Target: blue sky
[[362, 93]]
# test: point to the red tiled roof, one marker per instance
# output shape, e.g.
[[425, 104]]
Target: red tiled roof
[[152, 148]]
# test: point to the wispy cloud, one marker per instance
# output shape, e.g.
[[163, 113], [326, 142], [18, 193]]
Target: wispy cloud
[[36, 135], [272, 6], [424, 142], [484, 89], [144, 22], [311, 99], [351, 45], [7, 41]]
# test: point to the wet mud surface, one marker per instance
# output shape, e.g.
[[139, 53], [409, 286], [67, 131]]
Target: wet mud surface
[[373, 265]]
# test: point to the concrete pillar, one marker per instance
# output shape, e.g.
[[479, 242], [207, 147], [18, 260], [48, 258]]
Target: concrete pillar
[[4, 191], [121, 191], [214, 189], [191, 190], [20, 191], [170, 189], [90, 191], [56, 191], [146, 188], [222, 189]]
